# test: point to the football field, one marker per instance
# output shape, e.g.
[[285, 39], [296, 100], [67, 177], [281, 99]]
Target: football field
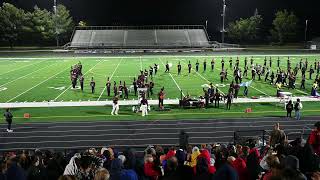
[[48, 79]]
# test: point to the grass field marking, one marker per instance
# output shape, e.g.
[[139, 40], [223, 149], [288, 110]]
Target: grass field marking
[[301, 91], [140, 63], [173, 79], [37, 85], [204, 78], [110, 79], [71, 85], [26, 75], [21, 67]]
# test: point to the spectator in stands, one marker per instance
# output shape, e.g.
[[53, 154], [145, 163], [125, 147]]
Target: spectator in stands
[[116, 169], [192, 160], [37, 170], [253, 162], [226, 171], [14, 170], [150, 168], [314, 138], [272, 166], [277, 136], [291, 164], [102, 174]]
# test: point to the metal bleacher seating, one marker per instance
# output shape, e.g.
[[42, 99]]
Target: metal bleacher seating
[[146, 37]]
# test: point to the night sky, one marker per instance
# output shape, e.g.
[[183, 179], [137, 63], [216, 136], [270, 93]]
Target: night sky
[[181, 12]]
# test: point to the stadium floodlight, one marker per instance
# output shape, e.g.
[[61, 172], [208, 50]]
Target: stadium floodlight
[[223, 20]]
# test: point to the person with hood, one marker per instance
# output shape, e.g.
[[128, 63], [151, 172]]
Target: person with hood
[[116, 169], [14, 171], [73, 167], [291, 163], [226, 171], [192, 160], [202, 169], [206, 155], [241, 167]]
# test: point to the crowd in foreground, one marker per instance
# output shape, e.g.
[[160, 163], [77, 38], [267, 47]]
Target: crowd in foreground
[[279, 160]]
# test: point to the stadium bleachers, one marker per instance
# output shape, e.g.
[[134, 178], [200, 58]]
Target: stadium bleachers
[[137, 38]]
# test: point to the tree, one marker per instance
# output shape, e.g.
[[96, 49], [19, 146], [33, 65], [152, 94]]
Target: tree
[[245, 29], [41, 25], [63, 23], [12, 23], [285, 27]]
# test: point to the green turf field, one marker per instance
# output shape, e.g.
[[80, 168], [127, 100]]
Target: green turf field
[[47, 79]]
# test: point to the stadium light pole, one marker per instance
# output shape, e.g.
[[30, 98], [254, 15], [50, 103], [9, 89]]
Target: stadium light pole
[[55, 13], [206, 25], [223, 20], [305, 31]]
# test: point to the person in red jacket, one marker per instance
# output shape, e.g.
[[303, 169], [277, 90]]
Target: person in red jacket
[[314, 138], [149, 168], [205, 154]]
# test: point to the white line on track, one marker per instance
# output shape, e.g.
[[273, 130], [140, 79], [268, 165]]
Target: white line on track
[[166, 128], [20, 68], [110, 80], [71, 85], [214, 121], [101, 125], [27, 75], [37, 85], [99, 135], [173, 79], [91, 140]]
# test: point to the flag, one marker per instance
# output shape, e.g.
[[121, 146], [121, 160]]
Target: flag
[[246, 84]]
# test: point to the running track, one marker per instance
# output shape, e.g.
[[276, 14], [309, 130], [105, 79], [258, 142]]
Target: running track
[[72, 135]]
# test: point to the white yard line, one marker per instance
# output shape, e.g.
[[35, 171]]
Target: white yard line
[[26, 75], [71, 85], [301, 91], [110, 79], [37, 85], [173, 79], [20, 68], [140, 64]]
